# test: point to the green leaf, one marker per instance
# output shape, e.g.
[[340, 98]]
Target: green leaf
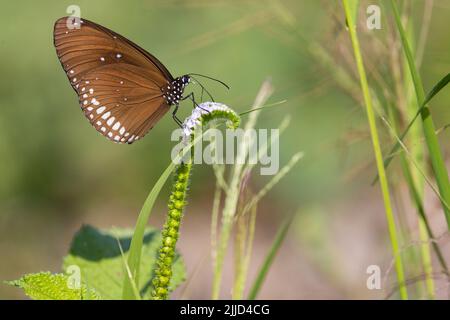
[[97, 254], [438, 87], [47, 286]]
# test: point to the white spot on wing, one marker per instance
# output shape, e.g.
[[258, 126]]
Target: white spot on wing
[[116, 125], [110, 121], [101, 109]]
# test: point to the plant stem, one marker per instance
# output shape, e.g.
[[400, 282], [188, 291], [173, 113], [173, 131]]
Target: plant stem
[[437, 162], [416, 181], [231, 200], [377, 150]]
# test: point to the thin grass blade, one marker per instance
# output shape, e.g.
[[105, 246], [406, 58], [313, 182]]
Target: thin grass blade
[[276, 245], [438, 87]]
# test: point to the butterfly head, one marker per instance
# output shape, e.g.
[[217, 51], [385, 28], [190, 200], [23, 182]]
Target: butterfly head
[[185, 79]]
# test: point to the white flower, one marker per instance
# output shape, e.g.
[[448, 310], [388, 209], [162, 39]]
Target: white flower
[[194, 120]]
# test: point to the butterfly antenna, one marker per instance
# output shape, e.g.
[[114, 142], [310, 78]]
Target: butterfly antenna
[[203, 88], [201, 75]]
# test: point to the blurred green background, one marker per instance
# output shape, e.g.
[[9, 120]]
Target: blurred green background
[[57, 173]]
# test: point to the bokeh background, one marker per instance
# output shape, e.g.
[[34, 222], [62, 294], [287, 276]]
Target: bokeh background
[[57, 173]]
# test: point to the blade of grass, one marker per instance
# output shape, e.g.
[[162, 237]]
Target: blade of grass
[[417, 196], [422, 139], [417, 182], [243, 243], [438, 87], [230, 203], [137, 296], [437, 161], [377, 149], [242, 275], [404, 105], [264, 269], [134, 254], [266, 144], [263, 107], [214, 221], [421, 171], [424, 30], [284, 171]]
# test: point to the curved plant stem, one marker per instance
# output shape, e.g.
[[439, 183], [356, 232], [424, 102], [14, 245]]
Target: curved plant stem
[[177, 201]]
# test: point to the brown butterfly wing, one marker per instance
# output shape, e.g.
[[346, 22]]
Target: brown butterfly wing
[[117, 82]]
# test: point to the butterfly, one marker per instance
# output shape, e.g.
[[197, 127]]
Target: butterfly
[[122, 89]]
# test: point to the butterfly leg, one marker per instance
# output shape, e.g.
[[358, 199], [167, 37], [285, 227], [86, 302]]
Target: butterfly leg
[[174, 116], [195, 104], [191, 96]]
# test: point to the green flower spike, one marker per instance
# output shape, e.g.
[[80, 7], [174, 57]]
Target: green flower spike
[[200, 117]]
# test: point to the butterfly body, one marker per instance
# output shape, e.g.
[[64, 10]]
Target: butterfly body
[[173, 92], [122, 89]]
